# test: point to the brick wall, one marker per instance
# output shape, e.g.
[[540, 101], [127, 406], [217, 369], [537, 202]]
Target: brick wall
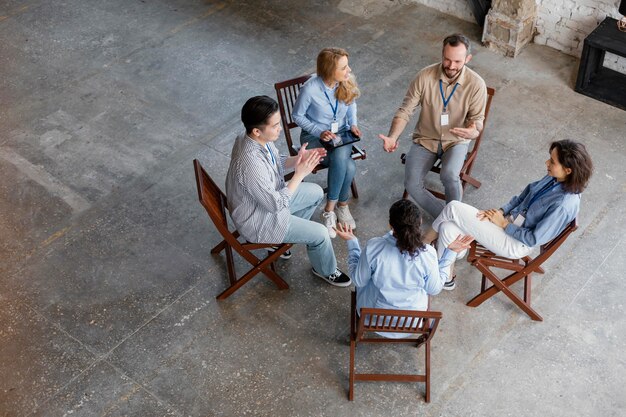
[[561, 24]]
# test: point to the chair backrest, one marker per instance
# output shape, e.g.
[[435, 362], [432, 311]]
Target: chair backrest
[[398, 321], [472, 153], [212, 198], [287, 94], [554, 244]]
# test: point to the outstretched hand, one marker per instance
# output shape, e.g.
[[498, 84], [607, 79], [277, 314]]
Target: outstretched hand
[[344, 231], [389, 144], [461, 243], [470, 132]]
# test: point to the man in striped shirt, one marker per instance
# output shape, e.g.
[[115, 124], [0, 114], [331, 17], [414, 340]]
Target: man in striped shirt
[[262, 205]]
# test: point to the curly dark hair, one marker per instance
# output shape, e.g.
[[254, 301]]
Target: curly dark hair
[[574, 155], [405, 219]]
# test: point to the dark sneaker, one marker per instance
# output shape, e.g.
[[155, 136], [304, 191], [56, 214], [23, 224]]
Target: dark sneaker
[[450, 285], [337, 278], [284, 255]]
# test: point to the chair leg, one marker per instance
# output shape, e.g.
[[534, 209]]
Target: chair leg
[[467, 179], [502, 285], [259, 266], [355, 191], [352, 349], [230, 265], [427, 370], [527, 288]]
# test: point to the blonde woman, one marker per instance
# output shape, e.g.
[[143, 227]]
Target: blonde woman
[[326, 108]]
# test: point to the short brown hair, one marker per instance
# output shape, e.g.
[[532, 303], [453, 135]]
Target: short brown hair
[[574, 155], [456, 39], [327, 59]]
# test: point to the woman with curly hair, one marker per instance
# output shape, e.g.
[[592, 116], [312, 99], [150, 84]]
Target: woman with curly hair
[[533, 218]]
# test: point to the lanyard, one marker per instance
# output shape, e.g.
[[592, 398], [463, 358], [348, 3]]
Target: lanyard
[[443, 97], [267, 146], [334, 109], [541, 192]]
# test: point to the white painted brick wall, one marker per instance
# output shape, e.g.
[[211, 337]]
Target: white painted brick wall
[[561, 24], [564, 25]]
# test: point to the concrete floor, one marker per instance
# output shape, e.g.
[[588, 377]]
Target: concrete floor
[[107, 287]]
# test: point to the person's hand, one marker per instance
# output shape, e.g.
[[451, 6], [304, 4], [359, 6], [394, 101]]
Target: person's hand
[[320, 151], [357, 132], [306, 162], [327, 135], [461, 243], [389, 144], [344, 231], [469, 132], [495, 216]]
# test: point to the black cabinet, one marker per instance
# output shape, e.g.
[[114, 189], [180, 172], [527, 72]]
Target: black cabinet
[[594, 80]]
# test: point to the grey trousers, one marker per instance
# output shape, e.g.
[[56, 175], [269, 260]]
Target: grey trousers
[[419, 160]]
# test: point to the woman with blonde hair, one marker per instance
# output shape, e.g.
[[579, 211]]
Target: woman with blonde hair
[[325, 109]]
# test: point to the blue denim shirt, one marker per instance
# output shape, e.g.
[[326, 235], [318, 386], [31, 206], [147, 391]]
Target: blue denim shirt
[[386, 278], [546, 217], [314, 113]]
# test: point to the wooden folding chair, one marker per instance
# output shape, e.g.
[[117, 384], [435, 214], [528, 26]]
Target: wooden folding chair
[[287, 94], [522, 268], [466, 170], [215, 203], [423, 324]]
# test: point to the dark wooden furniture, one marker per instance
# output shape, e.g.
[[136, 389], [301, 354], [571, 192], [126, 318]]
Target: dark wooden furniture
[[468, 165], [594, 80], [214, 201], [287, 94], [422, 324], [485, 261], [480, 9]]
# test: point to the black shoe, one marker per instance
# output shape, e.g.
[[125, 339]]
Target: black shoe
[[337, 278], [450, 285], [284, 255]]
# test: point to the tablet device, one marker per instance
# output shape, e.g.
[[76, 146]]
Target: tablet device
[[343, 139]]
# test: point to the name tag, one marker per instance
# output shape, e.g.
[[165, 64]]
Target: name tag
[[445, 120], [519, 220], [334, 127]]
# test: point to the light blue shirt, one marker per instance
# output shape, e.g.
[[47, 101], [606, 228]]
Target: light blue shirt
[[386, 278], [546, 217], [313, 112]]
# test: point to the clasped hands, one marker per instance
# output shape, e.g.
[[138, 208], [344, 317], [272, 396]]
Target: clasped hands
[[495, 216]]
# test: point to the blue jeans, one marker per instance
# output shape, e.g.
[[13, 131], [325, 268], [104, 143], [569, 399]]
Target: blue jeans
[[341, 167], [315, 235], [419, 160]]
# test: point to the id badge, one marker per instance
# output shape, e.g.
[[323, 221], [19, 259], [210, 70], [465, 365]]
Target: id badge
[[519, 220], [445, 119], [334, 127]]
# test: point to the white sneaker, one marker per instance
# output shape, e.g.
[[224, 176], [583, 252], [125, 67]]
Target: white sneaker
[[344, 216], [329, 218]]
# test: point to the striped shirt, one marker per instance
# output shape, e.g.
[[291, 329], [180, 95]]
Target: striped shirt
[[258, 198]]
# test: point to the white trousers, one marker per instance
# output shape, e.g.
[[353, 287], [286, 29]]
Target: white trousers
[[460, 219]]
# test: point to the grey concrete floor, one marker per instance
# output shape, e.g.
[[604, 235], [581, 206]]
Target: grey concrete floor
[[107, 287]]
